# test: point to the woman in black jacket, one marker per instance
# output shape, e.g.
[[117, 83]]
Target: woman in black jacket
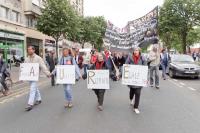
[[99, 65], [135, 59]]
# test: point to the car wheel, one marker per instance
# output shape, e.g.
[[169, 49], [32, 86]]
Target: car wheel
[[196, 77], [171, 74]]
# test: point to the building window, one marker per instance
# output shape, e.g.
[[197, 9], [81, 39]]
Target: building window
[[15, 16], [31, 21], [4, 12]]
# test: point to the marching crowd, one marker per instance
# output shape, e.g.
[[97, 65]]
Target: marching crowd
[[96, 61]]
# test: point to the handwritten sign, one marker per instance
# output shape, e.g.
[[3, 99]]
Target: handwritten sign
[[29, 72], [65, 74], [98, 79], [135, 75]]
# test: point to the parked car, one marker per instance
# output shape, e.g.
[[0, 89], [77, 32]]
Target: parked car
[[183, 66]]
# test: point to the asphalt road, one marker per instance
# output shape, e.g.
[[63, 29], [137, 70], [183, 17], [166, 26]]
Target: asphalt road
[[172, 109]]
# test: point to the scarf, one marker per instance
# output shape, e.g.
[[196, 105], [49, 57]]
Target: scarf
[[99, 65], [136, 59]]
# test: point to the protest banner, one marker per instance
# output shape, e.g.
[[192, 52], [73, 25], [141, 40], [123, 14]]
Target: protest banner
[[98, 79], [65, 74], [136, 75], [29, 72]]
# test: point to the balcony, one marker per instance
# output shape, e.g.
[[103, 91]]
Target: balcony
[[31, 9]]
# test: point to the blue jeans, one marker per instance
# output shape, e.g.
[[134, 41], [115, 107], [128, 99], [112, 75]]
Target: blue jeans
[[156, 79], [34, 93], [68, 92], [85, 67], [164, 68]]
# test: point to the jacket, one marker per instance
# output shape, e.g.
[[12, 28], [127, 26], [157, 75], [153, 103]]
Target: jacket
[[37, 59], [154, 58], [130, 61]]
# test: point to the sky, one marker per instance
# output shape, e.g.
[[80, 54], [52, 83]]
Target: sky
[[119, 12]]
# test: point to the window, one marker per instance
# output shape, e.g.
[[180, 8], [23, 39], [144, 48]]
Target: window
[[31, 21], [4, 12], [15, 16]]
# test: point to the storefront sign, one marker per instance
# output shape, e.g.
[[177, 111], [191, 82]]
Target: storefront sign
[[11, 36]]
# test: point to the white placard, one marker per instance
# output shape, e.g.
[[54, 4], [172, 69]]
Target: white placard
[[98, 79], [136, 75], [29, 72], [65, 74]]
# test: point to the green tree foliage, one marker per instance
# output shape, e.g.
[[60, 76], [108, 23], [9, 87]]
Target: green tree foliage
[[58, 18], [177, 20]]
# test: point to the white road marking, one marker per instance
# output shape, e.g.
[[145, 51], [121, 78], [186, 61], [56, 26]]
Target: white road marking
[[175, 80], [182, 83], [176, 84], [191, 88]]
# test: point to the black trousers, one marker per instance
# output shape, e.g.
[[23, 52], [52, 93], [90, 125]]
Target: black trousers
[[2, 81], [52, 79], [100, 95], [135, 92]]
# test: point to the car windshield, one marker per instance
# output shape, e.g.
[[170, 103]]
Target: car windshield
[[182, 58]]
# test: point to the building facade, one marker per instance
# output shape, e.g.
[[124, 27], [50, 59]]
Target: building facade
[[18, 19]]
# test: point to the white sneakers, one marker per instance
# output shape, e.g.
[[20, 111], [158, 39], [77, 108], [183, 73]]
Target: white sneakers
[[137, 111]]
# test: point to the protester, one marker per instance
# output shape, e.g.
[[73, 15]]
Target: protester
[[3, 74], [121, 61], [78, 58], [135, 59], [99, 65], [194, 55], [68, 59], [93, 57], [164, 61], [86, 62], [34, 93], [51, 61], [108, 61], [154, 59]]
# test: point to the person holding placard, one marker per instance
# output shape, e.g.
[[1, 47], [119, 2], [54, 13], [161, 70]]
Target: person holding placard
[[135, 59], [68, 59], [34, 93], [99, 65]]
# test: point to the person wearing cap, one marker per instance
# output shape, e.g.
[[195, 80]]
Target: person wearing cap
[[135, 59]]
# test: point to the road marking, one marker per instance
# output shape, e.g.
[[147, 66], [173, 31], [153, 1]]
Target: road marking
[[176, 84], [175, 80], [191, 88], [182, 83]]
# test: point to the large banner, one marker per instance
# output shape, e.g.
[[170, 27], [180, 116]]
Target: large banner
[[65, 74], [98, 79], [136, 75], [139, 32], [29, 72]]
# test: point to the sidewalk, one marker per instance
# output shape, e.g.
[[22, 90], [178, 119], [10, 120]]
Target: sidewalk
[[15, 74]]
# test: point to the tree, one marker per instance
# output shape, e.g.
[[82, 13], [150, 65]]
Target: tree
[[58, 18], [92, 29], [179, 17]]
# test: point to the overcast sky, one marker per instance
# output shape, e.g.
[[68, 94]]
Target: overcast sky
[[119, 12]]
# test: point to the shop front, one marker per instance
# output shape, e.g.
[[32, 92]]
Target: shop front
[[11, 44]]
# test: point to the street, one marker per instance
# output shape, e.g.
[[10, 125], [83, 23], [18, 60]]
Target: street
[[174, 108]]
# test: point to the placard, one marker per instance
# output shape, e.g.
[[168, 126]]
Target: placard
[[29, 72], [136, 75], [98, 79], [65, 74]]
